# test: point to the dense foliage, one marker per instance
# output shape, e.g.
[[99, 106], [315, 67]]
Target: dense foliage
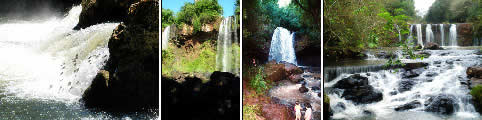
[[258, 82], [476, 93], [199, 13], [181, 60], [453, 11], [167, 17], [352, 26]]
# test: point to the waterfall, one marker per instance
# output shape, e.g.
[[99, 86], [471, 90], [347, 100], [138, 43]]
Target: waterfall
[[419, 34], [399, 35], [282, 46], [410, 37], [223, 56], [165, 37], [48, 60], [428, 33], [453, 35], [442, 35]]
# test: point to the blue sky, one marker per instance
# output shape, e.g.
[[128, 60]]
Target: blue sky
[[175, 5]]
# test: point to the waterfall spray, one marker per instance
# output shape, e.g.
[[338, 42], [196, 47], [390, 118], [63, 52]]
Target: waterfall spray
[[165, 37], [282, 46], [453, 35], [442, 43], [419, 34], [428, 33]]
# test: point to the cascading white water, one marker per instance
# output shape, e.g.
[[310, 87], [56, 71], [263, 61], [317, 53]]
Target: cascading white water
[[49, 60], [224, 42], [429, 34], [419, 35], [282, 46], [399, 35], [442, 35], [453, 35], [443, 76], [165, 37], [410, 36]]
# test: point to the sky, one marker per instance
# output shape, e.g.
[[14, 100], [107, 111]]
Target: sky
[[422, 6], [283, 3], [175, 5]]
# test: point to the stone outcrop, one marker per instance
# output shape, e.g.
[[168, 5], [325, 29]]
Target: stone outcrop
[[358, 90], [99, 11], [432, 46], [283, 70], [133, 80], [443, 104], [475, 72]]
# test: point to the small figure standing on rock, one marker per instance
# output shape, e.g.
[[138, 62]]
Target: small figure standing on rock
[[308, 111], [298, 110]]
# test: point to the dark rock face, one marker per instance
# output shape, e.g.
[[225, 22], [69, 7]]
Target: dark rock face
[[408, 106], [410, 66], [443, 104], [295, 78], [406, 85], [412, 73], [217, 99], [98, 11], [432, 46], [474, 72], [327, 111], [133, 64], [358, 90], [303, 89]]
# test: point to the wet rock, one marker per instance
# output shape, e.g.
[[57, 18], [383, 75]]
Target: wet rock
[[425, 54], [437, 62], [443, 104], [450, 62], [431, 74], [367, 112], [408, 106], [412, 73], [292, 69], [386, 55], [295, 78], [351, 82], [479, 52], [98, 11], [444, 54], [276, 112], [339, 106], [362, 95], [432, 46], [406, 85], [474, 72], [327, 111], [410, 66], [133, 63], [315, 88], [303, 89]]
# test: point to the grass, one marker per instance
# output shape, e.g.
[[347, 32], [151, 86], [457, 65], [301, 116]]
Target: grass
[[251, 111], [201, 58]]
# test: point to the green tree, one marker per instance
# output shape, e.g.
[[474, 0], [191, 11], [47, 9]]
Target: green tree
[[199, 13], [167, 17]]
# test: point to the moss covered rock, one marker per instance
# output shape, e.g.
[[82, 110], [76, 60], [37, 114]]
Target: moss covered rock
[[327, 113], [476, 93]]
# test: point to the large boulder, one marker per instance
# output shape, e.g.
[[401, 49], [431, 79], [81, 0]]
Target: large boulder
[[358, 90], [276, 112], [98, 11], [443, 104], [408, 106], [474, 72], [432, 46], [283, 70], [386, 55], [410, 66], [133, 65]]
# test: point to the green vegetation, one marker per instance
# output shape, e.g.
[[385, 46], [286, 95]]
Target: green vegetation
[[476, 93], [199, 13], [258, 82], [457, 11], [201, 60], [167, 17], [251, 111], [353, 26]]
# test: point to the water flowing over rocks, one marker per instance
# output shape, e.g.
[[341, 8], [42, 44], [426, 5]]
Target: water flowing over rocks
[[218, 98], [358, 90], [99, 11], [282, 70], [408, 106], [444, 104], [133, 64]]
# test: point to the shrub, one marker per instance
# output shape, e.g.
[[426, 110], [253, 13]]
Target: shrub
[[251, 111], [476, 92], [258, 82]]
